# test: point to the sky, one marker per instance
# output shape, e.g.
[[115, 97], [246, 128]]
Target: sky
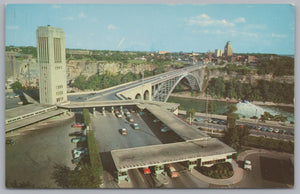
[[251, 28]]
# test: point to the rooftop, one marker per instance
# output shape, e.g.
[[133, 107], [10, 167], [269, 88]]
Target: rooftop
[[146, 156]]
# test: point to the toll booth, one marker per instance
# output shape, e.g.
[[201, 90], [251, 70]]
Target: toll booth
[[121, 109], [192, 164], [94, 111], [112, 110], [123, 175], [159, 169]]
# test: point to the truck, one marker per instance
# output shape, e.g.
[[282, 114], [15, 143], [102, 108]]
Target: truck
[[172, 171]]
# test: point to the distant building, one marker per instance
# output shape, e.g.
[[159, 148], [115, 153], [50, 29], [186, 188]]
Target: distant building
[[218, 53], [251, 59], [163, 52], [228, 50], [78, 52], [10, 64], [52, 60]]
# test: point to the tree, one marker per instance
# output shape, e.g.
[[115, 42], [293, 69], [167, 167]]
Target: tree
[[231, 119], [86, 117], [190, 113], [16, 86]]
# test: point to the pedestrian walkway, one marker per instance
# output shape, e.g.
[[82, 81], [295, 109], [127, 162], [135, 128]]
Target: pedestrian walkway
[[237, 176]]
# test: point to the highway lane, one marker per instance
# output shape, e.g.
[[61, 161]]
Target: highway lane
[[185, 179], [109, 137]]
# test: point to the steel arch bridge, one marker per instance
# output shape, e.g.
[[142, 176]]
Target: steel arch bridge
[[159, 87], [162, 90]]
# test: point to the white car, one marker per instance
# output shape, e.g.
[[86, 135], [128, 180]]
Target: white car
[[248, 165]]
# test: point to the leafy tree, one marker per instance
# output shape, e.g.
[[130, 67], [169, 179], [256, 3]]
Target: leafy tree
[[16, 86], [190, 113], [86, 117]]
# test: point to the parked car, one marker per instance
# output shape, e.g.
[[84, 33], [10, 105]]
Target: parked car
[[146, 170], [130, 119], [165, 129], [283, 131], [78, 125], [77, 160], [276, 130], [135, 126], [264, 129], [79, 149], [119, 115], [270, 129], [124, 131], [127, 114], [171, 171], [78, 139], [79, 153], [248, 165], [198, 119]]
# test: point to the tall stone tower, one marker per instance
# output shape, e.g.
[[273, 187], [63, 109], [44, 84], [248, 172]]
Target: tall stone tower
[[228, 50], [52, 60]]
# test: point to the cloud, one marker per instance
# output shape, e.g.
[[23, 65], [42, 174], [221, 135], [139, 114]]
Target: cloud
[[240, 20], [81, 15], [278, 35], [121, 42], [256, 26], [205, 20], [12, 27], [112, 27], [56, 6], [229, 32], [68, 18]]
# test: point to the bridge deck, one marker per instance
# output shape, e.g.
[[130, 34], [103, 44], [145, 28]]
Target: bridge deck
[[140, 157], [23, 110], [184, 130], [31, 120]]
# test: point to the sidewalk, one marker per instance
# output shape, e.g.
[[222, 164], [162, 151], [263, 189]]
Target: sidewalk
[[237, 176]]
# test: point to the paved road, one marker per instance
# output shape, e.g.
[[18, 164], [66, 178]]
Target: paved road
[[36, 152], [184, 180], [278, 165]]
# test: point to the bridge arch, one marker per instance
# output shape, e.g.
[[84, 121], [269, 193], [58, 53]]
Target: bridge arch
[[138, 96], [146, 95], [193, 81]]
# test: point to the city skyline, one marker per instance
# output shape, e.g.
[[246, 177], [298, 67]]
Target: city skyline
[[198, 28]]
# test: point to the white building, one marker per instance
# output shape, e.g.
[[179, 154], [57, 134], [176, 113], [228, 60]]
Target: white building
[[52, 61], [218, 53]]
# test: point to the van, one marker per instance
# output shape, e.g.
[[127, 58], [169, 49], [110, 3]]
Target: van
[[172, 171]]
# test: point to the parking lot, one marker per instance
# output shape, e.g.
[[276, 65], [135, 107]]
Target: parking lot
[[263, 130], [37, 150]]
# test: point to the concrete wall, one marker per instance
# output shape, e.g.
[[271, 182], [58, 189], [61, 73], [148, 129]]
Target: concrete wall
[[141, 90]]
